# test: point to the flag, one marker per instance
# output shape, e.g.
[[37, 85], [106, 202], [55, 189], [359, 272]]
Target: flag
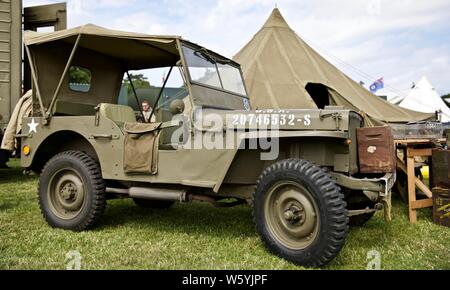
[[378, 85]]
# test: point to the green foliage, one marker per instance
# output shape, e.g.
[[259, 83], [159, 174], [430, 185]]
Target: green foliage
[[194, 236], [79, 75], [139, 81]]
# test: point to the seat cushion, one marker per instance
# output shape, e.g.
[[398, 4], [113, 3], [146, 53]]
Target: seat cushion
[[118, 113]]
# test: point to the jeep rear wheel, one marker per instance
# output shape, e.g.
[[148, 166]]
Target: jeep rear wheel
[[300, 213], [72, 191]]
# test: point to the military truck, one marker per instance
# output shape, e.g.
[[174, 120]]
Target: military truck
[[12, 82], [298, 169]]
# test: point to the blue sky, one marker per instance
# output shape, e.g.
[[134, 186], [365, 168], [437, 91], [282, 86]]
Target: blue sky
[[399, 40]]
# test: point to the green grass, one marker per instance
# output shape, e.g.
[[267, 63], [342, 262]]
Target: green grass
[[193, 236]]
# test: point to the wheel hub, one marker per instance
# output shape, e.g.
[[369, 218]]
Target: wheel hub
[[67, 194], [294, 214], [291, 214]]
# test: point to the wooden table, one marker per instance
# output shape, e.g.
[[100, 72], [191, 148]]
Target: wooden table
[[411, 152]]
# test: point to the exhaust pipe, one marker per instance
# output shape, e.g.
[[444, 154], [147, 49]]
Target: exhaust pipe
[[164, 194], [151, 193]]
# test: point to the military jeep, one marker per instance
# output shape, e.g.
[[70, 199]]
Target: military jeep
[[86, 144]]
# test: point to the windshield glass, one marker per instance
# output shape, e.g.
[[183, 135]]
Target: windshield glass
[[148, 84], [207, 69]]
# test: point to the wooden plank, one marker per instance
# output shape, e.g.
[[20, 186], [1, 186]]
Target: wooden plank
[[440, 166], [419, 184], [401, 165], [420, 141], [419, 152], [424, 203], [411, 189]]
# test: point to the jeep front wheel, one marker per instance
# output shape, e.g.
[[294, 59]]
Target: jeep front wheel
[[72, 191], [300, 213]]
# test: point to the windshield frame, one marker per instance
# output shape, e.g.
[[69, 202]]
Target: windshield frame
[[231, 63]]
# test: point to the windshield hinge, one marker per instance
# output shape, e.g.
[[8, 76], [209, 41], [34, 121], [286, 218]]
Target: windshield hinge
[[335, 115]]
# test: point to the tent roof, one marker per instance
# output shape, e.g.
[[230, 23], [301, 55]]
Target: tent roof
[[278, 65], [423, 97]]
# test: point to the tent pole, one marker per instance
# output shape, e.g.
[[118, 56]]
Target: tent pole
[[66, 69], [35, 82]]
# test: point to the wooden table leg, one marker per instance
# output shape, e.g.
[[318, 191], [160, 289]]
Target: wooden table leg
[[411, 189]]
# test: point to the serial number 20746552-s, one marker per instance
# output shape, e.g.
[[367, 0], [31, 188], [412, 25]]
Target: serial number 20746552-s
[[272, 119]]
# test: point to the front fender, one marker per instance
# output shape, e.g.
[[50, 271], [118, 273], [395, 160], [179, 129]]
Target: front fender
[[277, 136], [47, 140]]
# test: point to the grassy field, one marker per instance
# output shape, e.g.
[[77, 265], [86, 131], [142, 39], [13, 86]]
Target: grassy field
[[193, 236]]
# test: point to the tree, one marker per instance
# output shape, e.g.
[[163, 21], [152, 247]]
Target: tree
[[139, 81], [79, 75]]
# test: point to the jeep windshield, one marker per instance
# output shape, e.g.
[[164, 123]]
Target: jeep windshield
[[208, 69]]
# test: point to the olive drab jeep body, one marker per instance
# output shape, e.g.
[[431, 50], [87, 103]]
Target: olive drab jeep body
[[298, 169]]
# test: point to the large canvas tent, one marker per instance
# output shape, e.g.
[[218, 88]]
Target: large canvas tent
[[283, 72], [424, 98]]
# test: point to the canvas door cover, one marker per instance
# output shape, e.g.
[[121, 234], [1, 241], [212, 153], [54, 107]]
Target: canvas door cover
[[141, 148], [278, 65], [22, 110]]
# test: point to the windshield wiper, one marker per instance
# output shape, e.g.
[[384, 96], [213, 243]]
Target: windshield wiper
[[203, 53]]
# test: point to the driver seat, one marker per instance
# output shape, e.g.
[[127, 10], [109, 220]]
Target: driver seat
[[119, 114]]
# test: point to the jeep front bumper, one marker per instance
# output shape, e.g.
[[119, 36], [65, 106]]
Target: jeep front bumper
[[378, 190]]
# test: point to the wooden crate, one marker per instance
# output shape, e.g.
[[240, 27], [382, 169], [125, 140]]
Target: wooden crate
[[376, 149], [441, 170], [441, 206]]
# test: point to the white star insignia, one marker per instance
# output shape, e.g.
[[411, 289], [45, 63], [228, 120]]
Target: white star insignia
[[33, 126]]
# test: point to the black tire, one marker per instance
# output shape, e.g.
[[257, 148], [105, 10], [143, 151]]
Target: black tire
[[72, 191], [153, 204], [329, 212], [4, 155], [4, 158]]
